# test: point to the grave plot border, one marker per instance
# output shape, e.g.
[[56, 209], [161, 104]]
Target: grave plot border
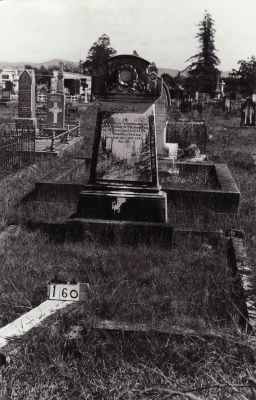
[[110, 232], [226, 199], [237, 261], [242, 277]]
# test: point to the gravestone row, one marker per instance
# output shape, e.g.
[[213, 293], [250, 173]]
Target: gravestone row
[[27, 104]]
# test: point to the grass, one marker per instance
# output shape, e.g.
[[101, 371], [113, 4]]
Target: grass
[[188, 286], [199, 180], [134, 285]]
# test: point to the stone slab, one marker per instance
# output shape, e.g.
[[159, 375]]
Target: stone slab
[[243, 278], [123, 206], [28, 321], [32, 122], [215, 200], [124, 149], [225, 178], [119, 232], [55, 110]]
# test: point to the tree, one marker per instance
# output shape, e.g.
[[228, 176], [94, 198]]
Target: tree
[[135, 53], [98, 53], [202, 72], [246, 75]]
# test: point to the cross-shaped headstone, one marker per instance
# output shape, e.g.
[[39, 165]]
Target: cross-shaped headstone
[[55, 110]]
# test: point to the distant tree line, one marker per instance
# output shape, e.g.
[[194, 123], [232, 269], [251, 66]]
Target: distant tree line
[[200, 76]]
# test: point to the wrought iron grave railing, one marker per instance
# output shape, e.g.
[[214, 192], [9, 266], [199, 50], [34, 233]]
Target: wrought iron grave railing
[[17, 146], [187, 133]]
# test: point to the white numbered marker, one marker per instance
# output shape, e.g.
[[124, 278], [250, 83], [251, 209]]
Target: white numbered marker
[[69, 292], [54, 292]]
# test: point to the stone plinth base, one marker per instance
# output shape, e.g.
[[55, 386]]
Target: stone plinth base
[[33, 121], [119, 232], [122, 206]]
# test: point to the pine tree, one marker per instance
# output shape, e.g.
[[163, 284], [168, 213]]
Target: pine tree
[[202, 72], [99, 52]]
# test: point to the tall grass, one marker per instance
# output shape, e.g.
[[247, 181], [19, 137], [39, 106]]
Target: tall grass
[[188, 286]]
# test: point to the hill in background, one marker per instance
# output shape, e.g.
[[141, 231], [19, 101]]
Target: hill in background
[[55, 61], [46, 64], [170, 71]]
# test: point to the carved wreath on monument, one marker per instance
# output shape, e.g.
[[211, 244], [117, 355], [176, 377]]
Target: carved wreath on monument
[[127, 77]]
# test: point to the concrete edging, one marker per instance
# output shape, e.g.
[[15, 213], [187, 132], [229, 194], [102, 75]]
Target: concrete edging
[[243, 275]]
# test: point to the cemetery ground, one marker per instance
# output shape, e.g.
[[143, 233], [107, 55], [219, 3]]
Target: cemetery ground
[[187, 290]]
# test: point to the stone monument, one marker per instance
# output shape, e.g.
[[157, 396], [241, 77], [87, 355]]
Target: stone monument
[[123, 183], [60, 82], [218, 91], [55, 111], [26, 107], [227, 104], [248, 113]]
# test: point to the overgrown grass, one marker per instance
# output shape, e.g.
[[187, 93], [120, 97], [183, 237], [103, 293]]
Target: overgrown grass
[[101, 365], [134, 285], [188, 286]]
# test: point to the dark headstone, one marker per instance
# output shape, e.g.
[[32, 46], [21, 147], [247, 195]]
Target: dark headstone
[[55, 110], [123, 181], [26, 108]]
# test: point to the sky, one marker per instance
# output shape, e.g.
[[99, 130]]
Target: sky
[[161, 31]]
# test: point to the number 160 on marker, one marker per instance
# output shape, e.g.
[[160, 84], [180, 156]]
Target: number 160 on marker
[[75, 292]]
